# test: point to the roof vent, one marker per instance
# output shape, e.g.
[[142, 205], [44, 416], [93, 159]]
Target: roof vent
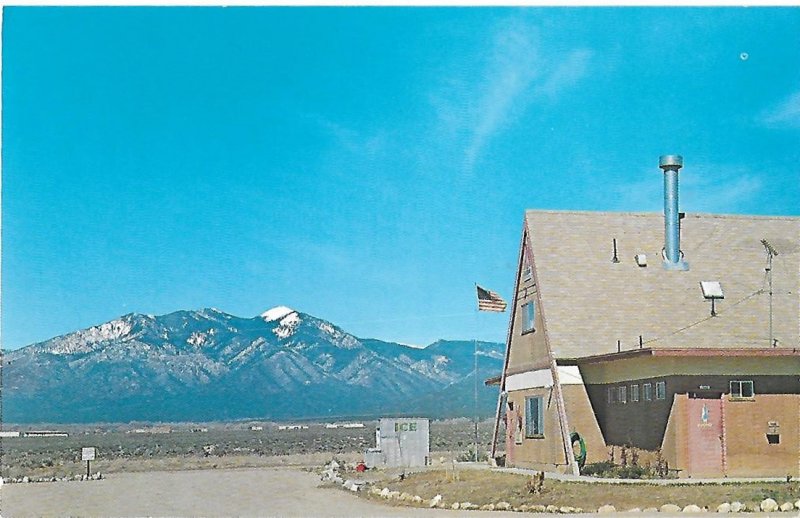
[[673, 257], [641, 260]]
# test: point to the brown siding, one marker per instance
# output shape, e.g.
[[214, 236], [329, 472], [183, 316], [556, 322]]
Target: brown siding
[[545, 453], [582, 420], [642, 423], [528, 350]]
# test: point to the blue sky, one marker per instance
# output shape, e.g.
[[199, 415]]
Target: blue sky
[[364, 165]]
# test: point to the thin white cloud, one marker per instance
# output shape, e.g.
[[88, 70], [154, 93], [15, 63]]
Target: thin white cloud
[[707, 188], [513, 66], [725, 191], [785, 114], [477, 97], [480, 101], [567, 73]]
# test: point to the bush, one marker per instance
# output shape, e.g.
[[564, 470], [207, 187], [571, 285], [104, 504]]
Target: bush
[[597, 468], [469, 456], [631, 472], [608, 469]]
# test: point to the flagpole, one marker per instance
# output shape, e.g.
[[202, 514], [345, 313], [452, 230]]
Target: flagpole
[[491, 302], [475, 373]]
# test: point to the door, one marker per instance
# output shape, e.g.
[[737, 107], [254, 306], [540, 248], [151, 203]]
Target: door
[[705, 434]]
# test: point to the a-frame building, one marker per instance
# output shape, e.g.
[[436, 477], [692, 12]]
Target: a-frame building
[[612, 340]]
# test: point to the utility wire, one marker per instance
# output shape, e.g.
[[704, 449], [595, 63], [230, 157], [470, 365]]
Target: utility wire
[[693, 324]]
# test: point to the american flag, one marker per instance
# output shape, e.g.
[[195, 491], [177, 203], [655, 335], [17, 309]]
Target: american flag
[[490, 301]]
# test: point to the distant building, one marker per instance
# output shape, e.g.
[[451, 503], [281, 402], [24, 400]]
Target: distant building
[[353, 425], [152, 429], [45, 433], [669, 333], [292, 427], [401, 441], [256, 428], [9, 434]]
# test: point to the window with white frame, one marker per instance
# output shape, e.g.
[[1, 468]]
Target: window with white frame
[[534, 416], [527, 271], [528, 315], [647, 392], [741, 389], [661, 390], [612, 395], [623, 396], [635, 392]]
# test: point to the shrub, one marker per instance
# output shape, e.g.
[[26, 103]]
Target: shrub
[[630, 472], [469, 456], [597, 468], [607, 469]]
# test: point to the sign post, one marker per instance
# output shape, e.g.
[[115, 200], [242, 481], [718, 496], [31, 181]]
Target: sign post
[[88, 454]]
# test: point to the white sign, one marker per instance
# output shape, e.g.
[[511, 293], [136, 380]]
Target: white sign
[[87, 453]]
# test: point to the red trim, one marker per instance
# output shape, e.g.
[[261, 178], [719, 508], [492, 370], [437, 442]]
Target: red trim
[[695, 352]]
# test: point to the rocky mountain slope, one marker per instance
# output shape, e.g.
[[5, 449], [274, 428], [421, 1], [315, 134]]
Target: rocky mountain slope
[[209, 365]]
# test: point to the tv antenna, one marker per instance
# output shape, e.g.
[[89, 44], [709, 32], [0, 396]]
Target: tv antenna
[[771, 252]]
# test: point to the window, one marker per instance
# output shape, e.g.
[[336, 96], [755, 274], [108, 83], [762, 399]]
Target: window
[[773, 433], [528, 314], [741, 389], [534, 417], [623, 398], [661, 390], [635, 392], [612, 395], [647, 389], [527, 271]]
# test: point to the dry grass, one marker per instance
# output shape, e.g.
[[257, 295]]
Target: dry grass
[[233, 445], [483, 487], [123, 465]]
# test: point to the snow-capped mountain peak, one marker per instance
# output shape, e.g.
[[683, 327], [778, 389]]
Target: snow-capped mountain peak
[[276, 313], [207, 364], [287, 325]]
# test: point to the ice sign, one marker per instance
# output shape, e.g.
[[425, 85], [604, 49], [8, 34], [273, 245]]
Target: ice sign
[[405, 427]]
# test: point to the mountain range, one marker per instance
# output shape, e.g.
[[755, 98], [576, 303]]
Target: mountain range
[[208, 365]]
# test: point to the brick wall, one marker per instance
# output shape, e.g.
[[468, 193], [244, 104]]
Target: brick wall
[[747, 424], [691, 447]]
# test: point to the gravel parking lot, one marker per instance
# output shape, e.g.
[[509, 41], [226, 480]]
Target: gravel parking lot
[[235, 492]]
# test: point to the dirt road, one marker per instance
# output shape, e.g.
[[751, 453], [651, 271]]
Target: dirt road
[[235, 492]]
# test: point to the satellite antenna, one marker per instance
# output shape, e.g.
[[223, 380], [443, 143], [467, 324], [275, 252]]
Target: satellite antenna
[[771, 252], [712, 290]]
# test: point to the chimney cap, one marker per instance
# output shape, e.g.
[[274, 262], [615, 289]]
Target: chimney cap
[[670, 162]]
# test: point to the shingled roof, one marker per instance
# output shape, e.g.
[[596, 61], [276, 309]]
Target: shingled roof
[[589, 302]]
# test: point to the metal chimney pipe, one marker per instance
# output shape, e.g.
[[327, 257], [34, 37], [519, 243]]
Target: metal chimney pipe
[[671, 164]]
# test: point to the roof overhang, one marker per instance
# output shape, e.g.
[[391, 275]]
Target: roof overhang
[[693, 352]]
